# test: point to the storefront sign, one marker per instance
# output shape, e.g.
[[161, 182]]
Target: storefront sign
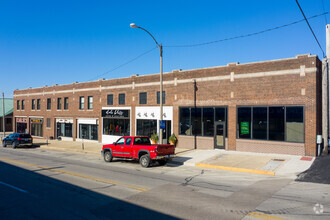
[[161, 124], [36, 120], [64, 120], [245, 128], [21, 120], [115, 113]]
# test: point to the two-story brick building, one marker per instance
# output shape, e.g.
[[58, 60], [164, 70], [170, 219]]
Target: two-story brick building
[[269, 106]]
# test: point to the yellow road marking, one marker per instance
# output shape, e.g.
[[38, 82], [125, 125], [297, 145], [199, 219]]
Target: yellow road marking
[[76, 174], [264, 216], [235, 169]]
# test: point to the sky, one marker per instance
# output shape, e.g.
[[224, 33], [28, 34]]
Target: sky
[[65, 41]]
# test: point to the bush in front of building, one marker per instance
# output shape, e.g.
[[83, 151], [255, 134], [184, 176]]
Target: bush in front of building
[[173, 139], [154, 138]]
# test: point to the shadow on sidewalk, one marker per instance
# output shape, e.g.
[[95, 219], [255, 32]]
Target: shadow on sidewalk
[[318, 172]]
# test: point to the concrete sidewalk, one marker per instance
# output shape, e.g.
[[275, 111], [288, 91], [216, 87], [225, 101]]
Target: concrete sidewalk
[[258, 163]]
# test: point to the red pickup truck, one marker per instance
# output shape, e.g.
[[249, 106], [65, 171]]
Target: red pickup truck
[[138, 147]]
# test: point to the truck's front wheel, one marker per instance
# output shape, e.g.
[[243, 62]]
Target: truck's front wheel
[[145, 160], [108, 156]]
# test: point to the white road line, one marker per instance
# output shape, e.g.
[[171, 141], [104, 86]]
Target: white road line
[[13, 187]]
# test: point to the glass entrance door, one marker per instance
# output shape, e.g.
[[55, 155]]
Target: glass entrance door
[[219, 135], [167, 132]]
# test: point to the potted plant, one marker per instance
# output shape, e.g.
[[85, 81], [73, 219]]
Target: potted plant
[[173, 139], [154, 138]]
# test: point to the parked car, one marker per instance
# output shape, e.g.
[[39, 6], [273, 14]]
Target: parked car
[[140, 148], [17, 139]]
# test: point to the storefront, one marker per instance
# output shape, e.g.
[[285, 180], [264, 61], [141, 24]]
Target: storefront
[[208, 125], [64, 128], [147, 121], [88, 129], [21, 125], [36, 127], [115, 123]]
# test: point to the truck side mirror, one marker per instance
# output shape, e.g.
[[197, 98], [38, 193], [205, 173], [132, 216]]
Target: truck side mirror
[[114, 143]]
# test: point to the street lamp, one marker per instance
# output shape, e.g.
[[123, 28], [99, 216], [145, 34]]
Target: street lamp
[[160, 47]]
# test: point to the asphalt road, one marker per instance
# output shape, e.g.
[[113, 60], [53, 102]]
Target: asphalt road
[[43, 184]]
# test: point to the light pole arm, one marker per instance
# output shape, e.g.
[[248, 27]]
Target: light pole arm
[[159, 46]]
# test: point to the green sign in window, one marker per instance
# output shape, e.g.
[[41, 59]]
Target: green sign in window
[[245, 128]]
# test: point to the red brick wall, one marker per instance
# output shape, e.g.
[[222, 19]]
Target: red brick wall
[[245, 90]]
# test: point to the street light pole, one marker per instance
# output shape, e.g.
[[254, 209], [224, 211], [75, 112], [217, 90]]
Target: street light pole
[[160, 47], [3, 115]]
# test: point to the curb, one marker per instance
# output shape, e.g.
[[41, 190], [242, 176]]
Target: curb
[[71, 150], [235, 169]]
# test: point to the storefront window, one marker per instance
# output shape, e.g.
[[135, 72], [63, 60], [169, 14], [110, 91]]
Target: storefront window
[[146, 127], [294, 125], [116, 126], [260, 123], [64, 129], [36, 127], [200, 121], [196, 121], [185, 127], [21, 127], [244, 122], [276, 123], [87, 131], [283, 123], [208, 122]]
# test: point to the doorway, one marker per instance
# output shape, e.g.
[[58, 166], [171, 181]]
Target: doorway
[[219, 135], [167, 132]]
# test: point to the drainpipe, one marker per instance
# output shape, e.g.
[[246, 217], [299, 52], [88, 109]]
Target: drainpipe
[[195, 108]]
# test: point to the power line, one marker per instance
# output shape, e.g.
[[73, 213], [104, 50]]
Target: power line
[[245, 35], [121, 65], [310, 28], [325, 17]]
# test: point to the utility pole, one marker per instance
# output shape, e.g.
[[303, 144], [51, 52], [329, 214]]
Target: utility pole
[[3, 115], [326, 92]]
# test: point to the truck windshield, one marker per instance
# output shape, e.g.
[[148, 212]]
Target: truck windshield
[[141, 141]]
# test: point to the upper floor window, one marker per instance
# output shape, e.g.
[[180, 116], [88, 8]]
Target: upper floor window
[[33, 107], [48, 123], [143, 98], [158, 97], [110, 99], [121, 99], [38, 104], [66, 103], [59, 103], [49, 103], [23, 104], [18, 105], [90, 102], [81, 102]]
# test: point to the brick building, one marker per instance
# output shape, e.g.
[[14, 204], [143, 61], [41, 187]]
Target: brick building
[[270, 107]]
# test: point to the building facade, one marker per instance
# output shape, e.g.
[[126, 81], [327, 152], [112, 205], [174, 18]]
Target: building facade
[[269, 107], [6, 110]]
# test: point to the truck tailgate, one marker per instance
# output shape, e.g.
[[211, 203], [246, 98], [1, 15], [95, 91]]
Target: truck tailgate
[[165, 149]]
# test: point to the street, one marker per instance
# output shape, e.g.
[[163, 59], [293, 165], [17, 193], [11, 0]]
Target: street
[[43, 184]]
